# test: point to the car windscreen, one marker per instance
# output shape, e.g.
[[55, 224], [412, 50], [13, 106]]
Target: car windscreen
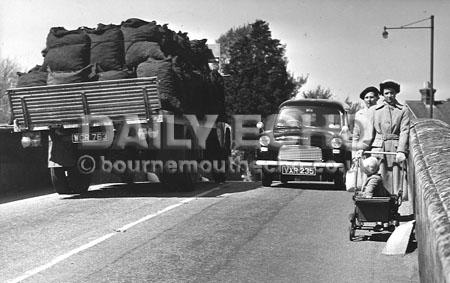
[[309, 116]]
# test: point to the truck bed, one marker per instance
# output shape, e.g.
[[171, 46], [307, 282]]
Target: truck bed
[[42, 107]]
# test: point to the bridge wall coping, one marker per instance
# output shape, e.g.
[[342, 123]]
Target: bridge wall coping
[[430, 156]]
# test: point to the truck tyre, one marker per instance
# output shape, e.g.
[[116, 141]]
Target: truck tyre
[[187, 182], [127, 178], [181, 182], [69, 180]]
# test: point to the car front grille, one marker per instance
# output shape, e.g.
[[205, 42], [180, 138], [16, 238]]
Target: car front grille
[[300, 152]]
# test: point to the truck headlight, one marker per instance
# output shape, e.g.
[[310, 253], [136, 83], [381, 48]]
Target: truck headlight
[[264, 140], [336, 142]]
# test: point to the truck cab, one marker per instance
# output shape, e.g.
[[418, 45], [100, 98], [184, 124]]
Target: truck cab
[[307, 141]]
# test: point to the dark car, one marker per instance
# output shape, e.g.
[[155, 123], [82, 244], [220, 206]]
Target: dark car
[[308, 141]]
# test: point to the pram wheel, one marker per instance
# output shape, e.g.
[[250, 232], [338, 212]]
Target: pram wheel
[[352, 228]]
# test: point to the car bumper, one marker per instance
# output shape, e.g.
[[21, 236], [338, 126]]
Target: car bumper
[[300, 163]]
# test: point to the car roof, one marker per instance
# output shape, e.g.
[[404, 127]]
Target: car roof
[[313, 102]]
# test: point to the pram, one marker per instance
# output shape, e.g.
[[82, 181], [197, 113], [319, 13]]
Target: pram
[[377, 209]]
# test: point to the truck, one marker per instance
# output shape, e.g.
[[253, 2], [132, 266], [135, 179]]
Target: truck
[[117, 126]]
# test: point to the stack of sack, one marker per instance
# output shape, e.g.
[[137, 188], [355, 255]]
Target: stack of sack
[[67, 56], [135, 48]]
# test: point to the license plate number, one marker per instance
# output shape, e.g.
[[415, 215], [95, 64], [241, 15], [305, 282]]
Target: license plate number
[[89, 137], [298, 170]]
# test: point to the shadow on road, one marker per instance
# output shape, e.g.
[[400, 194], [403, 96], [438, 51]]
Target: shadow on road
[[406, 218], [24, 193], [383, 237], [307, 186], [146, 189]]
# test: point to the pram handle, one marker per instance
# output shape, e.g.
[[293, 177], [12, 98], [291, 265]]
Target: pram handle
[[381, 152]]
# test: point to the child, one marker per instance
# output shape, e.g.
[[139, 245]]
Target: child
[[373, 186]]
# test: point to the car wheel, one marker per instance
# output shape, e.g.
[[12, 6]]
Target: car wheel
[[284, 180], [266, 179], [339, 180]]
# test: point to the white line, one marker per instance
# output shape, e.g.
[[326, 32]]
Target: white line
[[95, 242], [150, 216], [60, 258]]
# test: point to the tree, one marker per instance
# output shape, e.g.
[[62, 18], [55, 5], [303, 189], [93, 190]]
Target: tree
[[319, 92], [8, 78], [257, 80]]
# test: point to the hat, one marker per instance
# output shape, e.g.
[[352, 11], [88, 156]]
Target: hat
[[369, 89], [389, 84], [370, 165]]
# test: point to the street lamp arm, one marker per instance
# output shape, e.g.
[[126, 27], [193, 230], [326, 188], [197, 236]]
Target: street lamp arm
[[403, 27], [416, 22]]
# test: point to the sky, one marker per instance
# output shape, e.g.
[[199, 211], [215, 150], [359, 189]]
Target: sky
[[338, 44]]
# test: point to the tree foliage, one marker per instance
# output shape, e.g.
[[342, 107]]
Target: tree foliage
[[8, 78], [318, 92], [255, 64]]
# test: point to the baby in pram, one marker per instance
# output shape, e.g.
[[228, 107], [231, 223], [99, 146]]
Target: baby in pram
[[373, 186]]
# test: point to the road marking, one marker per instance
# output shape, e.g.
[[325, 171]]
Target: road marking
[[97, 241]]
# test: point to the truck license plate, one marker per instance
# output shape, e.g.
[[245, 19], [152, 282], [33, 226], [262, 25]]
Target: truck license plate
[[298, 170], [89, 137]]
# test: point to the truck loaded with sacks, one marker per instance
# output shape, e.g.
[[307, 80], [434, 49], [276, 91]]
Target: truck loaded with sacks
[[124, 99]]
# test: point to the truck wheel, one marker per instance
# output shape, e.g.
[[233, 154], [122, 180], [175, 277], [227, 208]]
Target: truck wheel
[[69, 180], [187, 182], [219, 177], [127, 178], [266, 179], [178, 182]]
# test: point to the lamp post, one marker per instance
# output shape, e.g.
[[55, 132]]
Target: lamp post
[[431, 27]]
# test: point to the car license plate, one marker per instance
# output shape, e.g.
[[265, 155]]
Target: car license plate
[[89, 137], [298, 170]]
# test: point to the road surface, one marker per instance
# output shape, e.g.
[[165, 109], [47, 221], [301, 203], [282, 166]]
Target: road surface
[[235, 232]]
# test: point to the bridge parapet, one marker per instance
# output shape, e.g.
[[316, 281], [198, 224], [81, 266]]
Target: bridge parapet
[[429, 175]]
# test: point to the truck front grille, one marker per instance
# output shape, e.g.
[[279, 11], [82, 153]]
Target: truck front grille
[[300, 152]]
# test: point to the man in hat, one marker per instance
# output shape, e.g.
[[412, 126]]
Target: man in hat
[[390, 132]]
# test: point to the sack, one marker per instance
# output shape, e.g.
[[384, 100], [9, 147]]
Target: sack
[[351, 178], [35, 77], [166, 81], [67, 51], [107, 49], [140, 51], [139, 30], [114, 75], [58, 78]]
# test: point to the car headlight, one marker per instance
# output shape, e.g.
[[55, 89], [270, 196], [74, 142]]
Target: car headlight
[[336, 142], [264, 140]]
